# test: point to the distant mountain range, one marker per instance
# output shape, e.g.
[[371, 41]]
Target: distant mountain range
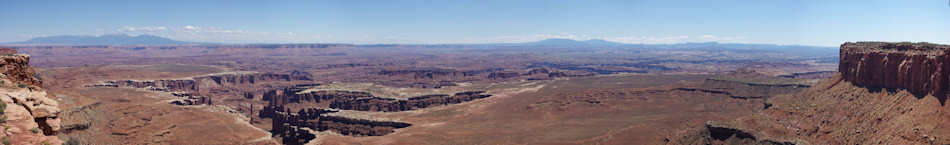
[[571, 42], [117, 39], [122, 39]]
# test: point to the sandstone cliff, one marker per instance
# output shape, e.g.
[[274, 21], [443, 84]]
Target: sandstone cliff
[[298, 127], [29, 116], [199, 83], [880, 96], [920, 68]]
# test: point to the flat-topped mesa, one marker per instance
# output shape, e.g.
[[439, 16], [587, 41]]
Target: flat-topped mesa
[[920, 68]]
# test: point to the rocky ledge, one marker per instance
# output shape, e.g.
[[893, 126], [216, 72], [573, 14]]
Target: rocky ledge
[[27, 113], [363, 101], [299, 127]]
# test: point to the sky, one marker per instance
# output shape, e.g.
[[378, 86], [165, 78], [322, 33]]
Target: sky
[[787, 22]]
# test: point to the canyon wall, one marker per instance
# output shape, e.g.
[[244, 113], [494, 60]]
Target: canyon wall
[[920, 68], [195, 84], [438, 77], [362, 101], [751, 90], [297, 127]]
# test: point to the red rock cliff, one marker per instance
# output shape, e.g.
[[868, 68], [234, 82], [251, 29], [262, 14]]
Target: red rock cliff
[[920, 68], [16, 68]]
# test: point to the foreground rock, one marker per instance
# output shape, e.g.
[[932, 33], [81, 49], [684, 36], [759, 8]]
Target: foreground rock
[[28, 115]]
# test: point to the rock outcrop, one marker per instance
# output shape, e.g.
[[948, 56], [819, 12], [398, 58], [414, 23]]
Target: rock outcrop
[[297, 127], [362, 101], [29, 115], [172, 85], [16, 69], [750, 90], [427, 73], [186, 99], [920, 68], [504, 75], [194, 84], [200, 89], [880, 96]]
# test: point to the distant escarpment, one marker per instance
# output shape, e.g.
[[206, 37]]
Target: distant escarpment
[[439, 77], [362, 101], [920, 68], [194, 84], [196, 90], [296, 127], [750, 90]]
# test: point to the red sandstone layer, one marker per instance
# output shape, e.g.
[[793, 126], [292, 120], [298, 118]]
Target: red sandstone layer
[[920, 68]]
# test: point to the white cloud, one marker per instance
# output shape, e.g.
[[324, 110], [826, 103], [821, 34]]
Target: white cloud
[[623, 39], [192, 28], [216, 34], [142, 29]]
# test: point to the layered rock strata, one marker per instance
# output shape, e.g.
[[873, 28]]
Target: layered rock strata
[[28, 114], [362, 101], [298, 127], [920, 68], [195, 84]]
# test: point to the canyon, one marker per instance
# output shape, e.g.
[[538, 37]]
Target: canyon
[[296, 127], [409, 94]]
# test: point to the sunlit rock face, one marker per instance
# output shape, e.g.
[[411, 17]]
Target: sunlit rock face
[[920, 68], [28, 114]]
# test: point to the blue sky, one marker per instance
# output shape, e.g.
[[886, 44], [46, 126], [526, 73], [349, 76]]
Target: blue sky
[[806, 22]]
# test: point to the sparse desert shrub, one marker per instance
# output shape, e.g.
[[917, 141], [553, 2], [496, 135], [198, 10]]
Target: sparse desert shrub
[[21, 85], [6, 141], [35, 130], [71, 141], [3, 107]]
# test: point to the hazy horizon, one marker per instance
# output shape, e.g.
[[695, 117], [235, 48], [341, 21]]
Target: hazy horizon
[[815, 23]]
